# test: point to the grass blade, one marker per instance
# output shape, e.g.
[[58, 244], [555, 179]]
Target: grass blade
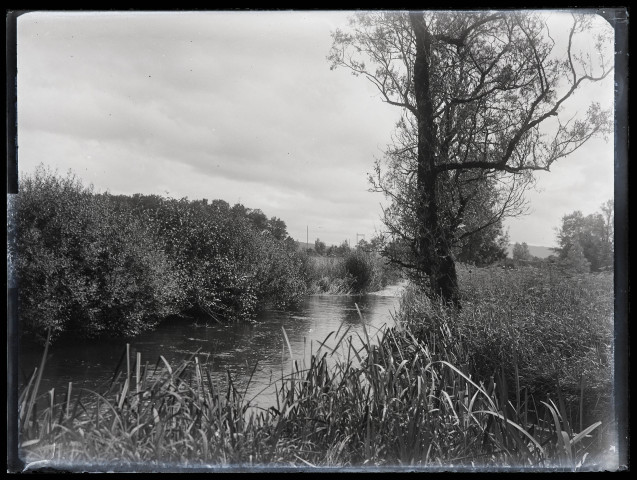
[[36, 387], [518, 427], [285, 335], [583, 433]]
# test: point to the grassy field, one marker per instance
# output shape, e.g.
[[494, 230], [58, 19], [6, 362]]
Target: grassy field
[[521, 377]]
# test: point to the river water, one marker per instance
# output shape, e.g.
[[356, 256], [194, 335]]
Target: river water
[[237, 349]]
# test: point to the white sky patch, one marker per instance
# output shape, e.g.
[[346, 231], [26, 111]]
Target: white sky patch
[[241, 107]]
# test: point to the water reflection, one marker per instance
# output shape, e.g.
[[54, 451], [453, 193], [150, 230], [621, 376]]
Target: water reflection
[[240, 350]]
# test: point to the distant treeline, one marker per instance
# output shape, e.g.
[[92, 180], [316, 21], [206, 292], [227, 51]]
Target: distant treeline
[[100, 264]]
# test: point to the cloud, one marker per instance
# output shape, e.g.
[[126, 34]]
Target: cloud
[[581, 181], [219, 105]]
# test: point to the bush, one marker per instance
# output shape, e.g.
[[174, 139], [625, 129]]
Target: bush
[[229, 268], [327, 275], [85, 266], [98, 264], [355, 273], [574, 260], [208, 248], [278, 272], [362, 268]]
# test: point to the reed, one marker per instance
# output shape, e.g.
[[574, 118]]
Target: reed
[[417, 397], [398, 402], [357, 272], [402, 402], [173, 414]]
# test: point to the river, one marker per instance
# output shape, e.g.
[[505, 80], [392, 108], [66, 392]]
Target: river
[[238, 348]]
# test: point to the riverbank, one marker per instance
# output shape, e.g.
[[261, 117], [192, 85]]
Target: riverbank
[[97, 265], [246, 350], [395, 290], [520, 378], [101, 265]]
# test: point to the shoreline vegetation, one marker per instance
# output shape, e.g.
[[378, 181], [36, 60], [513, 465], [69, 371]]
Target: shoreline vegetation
[[99, 265], [356, 273], [520, 377]]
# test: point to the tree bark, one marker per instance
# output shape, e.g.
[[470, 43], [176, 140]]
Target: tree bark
[[433, 252]]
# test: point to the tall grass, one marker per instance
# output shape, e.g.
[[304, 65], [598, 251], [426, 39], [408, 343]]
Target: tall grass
[[413, 401], [395, 403], [355, 273], [327, 275], [553, 327], [151, 413], [425, 395]]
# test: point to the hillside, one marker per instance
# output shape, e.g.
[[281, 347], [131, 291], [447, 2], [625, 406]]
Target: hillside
[[536, 251]]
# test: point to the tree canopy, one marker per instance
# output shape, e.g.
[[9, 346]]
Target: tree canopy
[[588, 236], [521, 251], [486, 100]]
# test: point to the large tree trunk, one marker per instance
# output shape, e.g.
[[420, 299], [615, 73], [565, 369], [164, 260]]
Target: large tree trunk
[[433, 253]]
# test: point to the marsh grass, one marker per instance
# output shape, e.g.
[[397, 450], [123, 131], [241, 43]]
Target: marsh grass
[[328, 276], [150, 413], [406, 403], [441, 389], [555, 329], [543, 333], [357, 272]]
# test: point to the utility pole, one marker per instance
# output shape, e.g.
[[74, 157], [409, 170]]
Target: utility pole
[[359, 235], [307, 237]]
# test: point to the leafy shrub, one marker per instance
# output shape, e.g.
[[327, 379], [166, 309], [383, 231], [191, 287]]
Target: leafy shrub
[[574, 260], [85, 266], [228, 266], [278, 272], [100, 264], [361, 267], [207, 248], [357, 272]]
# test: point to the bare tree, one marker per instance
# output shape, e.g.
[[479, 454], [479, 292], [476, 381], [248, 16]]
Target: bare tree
[[484, 99]]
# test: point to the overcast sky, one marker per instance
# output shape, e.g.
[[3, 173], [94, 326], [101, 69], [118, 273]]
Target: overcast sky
[[240, 106]]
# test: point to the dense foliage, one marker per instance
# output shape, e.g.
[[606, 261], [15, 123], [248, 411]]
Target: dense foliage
[[552, 327], [354, 271], [484, 247], [521, 251], [520, 378], [85, 266], [586, 242], [101, 264], [229, 260]]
